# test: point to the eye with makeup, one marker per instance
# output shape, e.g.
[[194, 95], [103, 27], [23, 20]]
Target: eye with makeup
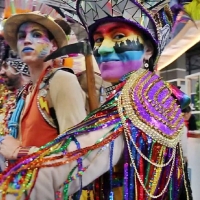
[[37, 34], [98, 40], [118, 36], [21, 36]]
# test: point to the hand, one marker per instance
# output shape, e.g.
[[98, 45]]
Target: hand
[[9, 147]]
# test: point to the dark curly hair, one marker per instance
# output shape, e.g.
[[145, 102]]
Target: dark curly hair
[[5, 51]]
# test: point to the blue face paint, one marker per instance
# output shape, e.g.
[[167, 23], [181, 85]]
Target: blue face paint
[[118, 50]]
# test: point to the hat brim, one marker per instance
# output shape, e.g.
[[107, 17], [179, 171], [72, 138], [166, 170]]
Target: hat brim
[[13, 23]]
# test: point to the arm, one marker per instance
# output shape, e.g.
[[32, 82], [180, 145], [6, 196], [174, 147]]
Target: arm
[[49, 179], [68, 99], [11, 149]]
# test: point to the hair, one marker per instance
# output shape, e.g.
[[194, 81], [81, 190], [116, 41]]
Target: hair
[[151, 63], [187, 110], [152, 59], [5, 51]]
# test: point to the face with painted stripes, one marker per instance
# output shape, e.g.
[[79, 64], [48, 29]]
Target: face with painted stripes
[[33, 42], [118, 49]]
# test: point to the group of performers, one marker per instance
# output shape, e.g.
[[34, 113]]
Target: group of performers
[[128, 148]]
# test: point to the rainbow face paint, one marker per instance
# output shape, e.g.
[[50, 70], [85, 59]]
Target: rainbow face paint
[[118, 49], [33, 40]]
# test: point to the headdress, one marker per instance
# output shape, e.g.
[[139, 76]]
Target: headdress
[[153, 18], [31, 11], [185, 32]]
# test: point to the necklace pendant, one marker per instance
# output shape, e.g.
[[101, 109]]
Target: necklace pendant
[[43, 93]]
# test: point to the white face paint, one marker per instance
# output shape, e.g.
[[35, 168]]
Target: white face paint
[[33, 42]]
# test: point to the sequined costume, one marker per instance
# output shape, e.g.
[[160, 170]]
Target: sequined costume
[[141, 122], [152, 144]]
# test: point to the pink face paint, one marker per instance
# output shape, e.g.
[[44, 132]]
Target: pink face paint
[[118, 49], [33, 41]]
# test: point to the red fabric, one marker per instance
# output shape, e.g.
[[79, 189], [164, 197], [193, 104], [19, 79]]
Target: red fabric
[[35, 131]]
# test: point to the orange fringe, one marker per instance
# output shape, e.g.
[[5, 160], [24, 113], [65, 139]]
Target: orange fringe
[[7, 12]]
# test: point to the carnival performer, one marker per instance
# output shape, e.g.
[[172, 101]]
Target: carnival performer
[[141, 119], [13, 71], [53, 101], [15, 75]]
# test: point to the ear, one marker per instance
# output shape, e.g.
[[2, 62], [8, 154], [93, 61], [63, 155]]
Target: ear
[[148, 50], [54, 45]]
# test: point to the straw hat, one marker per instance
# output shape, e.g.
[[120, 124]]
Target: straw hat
[[13, 23]]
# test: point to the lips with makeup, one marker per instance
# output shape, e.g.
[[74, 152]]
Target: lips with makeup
[[27, 49], [115, 65]]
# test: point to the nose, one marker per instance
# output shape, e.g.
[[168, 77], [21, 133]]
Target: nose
[[27, 39], [106, 47]]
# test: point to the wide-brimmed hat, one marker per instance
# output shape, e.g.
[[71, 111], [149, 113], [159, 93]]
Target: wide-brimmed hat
[[13, 23], [153, 18], [41, 14]]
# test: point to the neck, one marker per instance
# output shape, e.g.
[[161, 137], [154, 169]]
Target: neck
[[36, 70], [16, 84]]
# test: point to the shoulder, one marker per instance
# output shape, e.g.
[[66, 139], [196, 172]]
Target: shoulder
[[63, 77], [63, 74], [64, 81]]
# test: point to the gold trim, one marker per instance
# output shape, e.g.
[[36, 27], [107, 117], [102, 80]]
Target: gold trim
[[131, 112]]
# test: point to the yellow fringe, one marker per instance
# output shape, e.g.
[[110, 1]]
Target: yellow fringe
[[193, 9]]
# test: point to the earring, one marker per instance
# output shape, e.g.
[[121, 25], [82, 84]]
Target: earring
[[146, 64]]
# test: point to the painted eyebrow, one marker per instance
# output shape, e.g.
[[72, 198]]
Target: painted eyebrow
[[31, 31], [110, 29]]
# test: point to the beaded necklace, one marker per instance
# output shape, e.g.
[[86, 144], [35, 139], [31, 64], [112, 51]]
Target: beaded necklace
[[152, 161], [8, 107], [15, 106], [13, 123]]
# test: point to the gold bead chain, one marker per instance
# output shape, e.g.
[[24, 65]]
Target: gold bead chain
[[136, 119], [120, 110]]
